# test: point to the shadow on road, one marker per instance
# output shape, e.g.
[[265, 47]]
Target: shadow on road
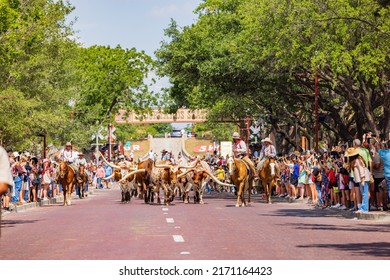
[[376, 249]]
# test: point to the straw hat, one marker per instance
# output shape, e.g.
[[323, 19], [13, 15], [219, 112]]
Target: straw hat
[[266, 140], [236, 135], [351, 152], [68, 144]]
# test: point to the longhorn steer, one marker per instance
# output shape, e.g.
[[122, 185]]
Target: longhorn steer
[[197, 178], [129, 176], [164, 175]]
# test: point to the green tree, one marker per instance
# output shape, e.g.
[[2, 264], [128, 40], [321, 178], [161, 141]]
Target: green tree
[[34, 49], [111, 79], [259, 57]]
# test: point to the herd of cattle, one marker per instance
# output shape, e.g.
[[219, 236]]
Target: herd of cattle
[[146, 178]]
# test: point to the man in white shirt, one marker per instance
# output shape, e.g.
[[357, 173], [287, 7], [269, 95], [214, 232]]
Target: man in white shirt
[[267, 151], [68, 154], [6, 179], [151, 155], [240, 150]]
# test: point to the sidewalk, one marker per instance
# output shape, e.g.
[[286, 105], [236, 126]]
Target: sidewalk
[[49, 201], [372, 215]]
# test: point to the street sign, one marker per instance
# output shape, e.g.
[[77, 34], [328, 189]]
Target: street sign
[[99, 135]]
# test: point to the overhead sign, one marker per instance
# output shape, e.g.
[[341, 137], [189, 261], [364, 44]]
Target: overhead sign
[[134, 148], [157, 116], [204, 149]]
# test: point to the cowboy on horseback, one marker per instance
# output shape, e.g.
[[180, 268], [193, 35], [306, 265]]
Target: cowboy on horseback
[[67, 154], [81, 161], [267, 151], [240, 151]]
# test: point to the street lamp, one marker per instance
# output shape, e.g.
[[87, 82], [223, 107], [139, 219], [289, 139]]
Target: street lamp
[[43, 134], [316, 108]]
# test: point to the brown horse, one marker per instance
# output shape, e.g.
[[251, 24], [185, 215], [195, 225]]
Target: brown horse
[[66, 177], [268, 178], [81, 181], [242, 178]]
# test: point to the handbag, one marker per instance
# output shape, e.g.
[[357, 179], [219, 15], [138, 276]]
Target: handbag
[[46, 179], [372, 181]]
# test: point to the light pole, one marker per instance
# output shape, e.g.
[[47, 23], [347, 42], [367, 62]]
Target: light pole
[[44, 142], [316, 108], [248, 121]]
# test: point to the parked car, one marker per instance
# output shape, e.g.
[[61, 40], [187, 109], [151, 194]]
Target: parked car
[[176, 133]]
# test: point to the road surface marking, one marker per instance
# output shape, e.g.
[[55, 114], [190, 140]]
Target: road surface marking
[[178, 238], [165, 209], [185, 253], [170, 220]]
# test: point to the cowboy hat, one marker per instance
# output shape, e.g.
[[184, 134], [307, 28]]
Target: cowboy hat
[[266, 140], [68, 144], [15, 154], [164, 151], [80, 154], [236, 135], [351, 152]]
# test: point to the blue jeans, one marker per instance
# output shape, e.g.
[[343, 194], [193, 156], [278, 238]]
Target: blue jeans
[[99, 183], [18, 187], [388, 185], [318, 188], [365, 196]]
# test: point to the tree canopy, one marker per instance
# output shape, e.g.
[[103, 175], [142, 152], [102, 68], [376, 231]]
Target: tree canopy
[[258, 57], [52, 85]]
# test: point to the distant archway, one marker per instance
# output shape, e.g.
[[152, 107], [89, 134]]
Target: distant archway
[[157, 116]]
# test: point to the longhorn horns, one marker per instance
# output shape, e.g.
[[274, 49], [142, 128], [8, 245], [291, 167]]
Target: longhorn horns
[[130, 174]]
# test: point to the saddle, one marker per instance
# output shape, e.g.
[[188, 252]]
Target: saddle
[[248, 168]]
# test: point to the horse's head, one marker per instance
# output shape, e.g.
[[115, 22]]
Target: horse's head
[[63, 169], [270, 163], [82, 169], [231, 165]]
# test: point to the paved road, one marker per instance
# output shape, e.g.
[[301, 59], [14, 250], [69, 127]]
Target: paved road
[[101, 228]]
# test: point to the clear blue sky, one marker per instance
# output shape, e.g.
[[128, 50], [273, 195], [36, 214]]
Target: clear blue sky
[[129, 23], [136, 24]]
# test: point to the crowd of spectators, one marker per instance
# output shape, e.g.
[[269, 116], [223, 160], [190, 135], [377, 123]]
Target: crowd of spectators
[[331, 177], [35, 180], [355, 178]]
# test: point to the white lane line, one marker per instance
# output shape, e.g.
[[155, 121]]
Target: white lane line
[[165, 209], [170, 220], [178, 238], [185, 253]]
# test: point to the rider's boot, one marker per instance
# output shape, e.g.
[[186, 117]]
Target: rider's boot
[[255, 174]]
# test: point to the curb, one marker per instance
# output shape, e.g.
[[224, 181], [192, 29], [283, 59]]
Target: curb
[[48, 202], [372, 216]]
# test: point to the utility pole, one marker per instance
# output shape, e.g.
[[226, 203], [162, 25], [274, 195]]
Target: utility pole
[[109, 141], [316, 108]]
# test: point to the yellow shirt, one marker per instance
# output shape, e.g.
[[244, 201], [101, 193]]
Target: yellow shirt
[[220, 173]]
